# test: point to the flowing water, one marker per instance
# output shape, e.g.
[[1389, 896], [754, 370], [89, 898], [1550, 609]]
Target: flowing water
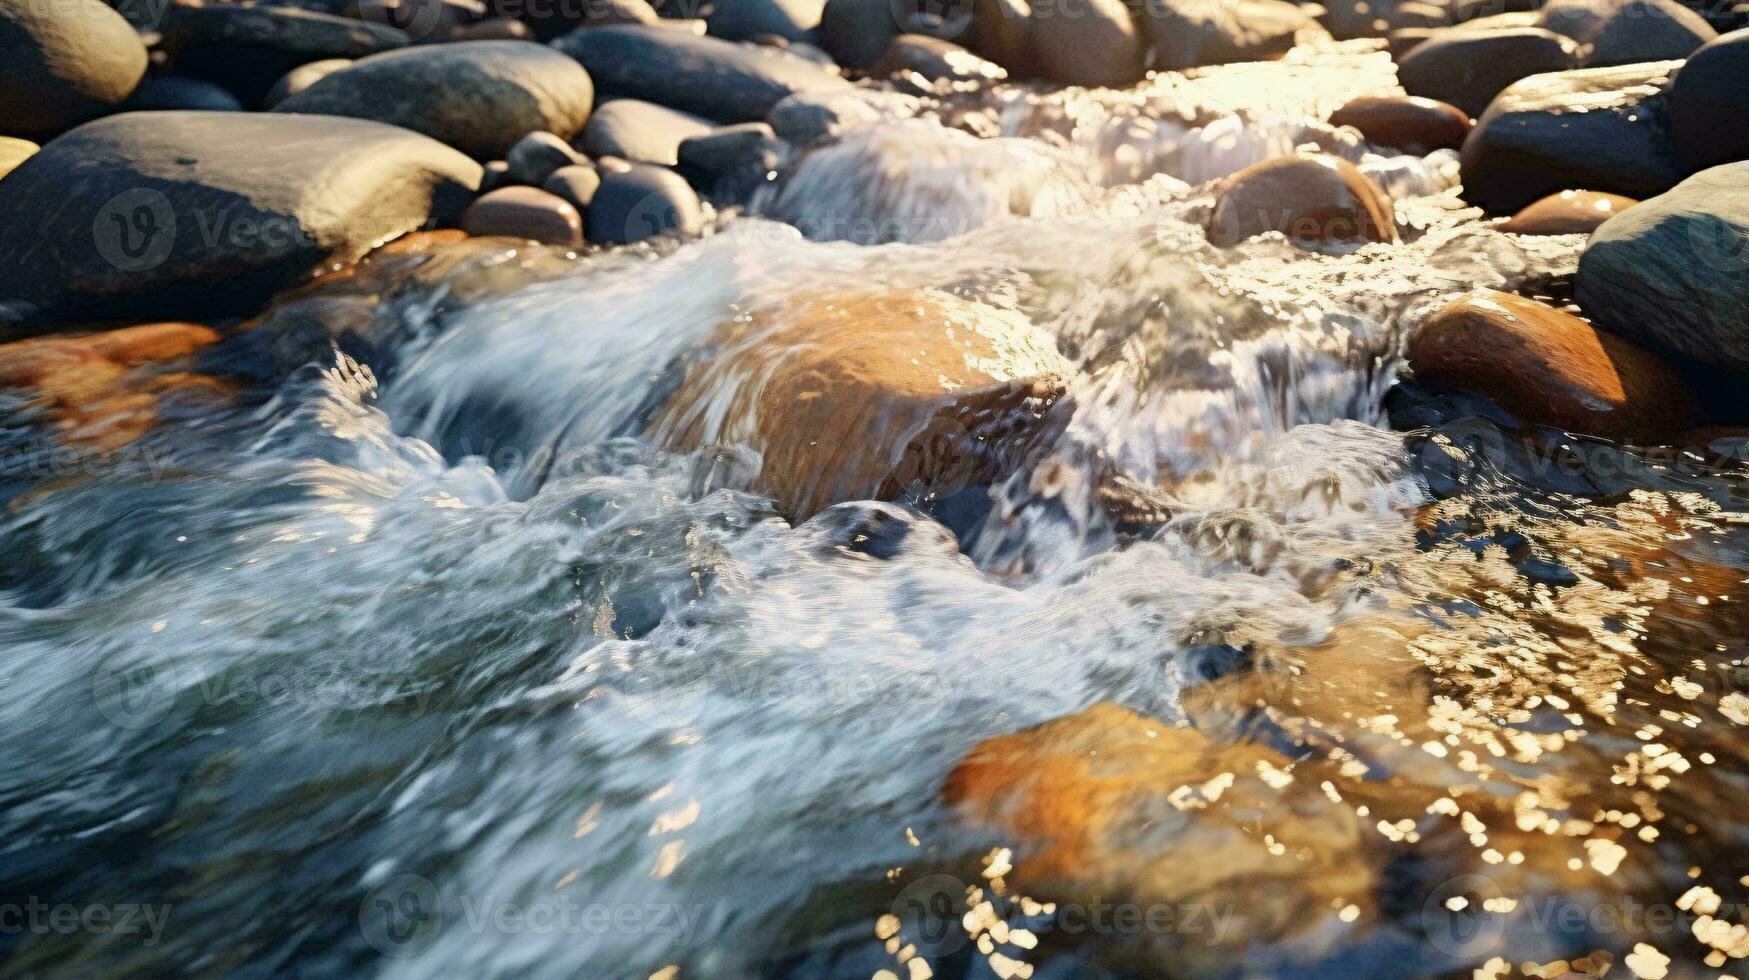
[[414, 658]]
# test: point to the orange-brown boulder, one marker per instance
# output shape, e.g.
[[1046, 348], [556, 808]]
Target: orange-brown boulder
[[1405, 122], [1551, 367], [102, 391], [854, 396], [1568, 213], [1306, 196]]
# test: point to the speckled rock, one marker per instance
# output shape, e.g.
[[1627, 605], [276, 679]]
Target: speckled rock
[[63, 63], [477, 96], [178, 213], [707, 76], [1673, 271]]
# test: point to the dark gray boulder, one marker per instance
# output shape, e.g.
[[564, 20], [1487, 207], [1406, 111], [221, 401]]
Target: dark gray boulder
[[742, 20], [63, 63], [639, 202], [247, 49], [706, 76], [1600, 129], [1088, 42], [175, 214], [536, 156], [935, 60], [1707, 114], [1625, 32], [1467, 67], [1672, 272], [550, 19], [181, 92], [1190, 33], [477, 96], [576, 184], [640, 131]]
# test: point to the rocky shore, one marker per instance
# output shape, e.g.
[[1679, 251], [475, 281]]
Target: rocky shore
[[202, 198]]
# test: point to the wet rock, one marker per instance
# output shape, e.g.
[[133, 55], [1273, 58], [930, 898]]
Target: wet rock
[[642, 201], [1094, 44], [551, 19], [1670, 271], [178, 92], [102, 391], [1706, 103], [576, 185], [1568, 213], [1310, 197], [742, 20], [525, 212], [1113, 804], [1624, 32], [859, 396], [857, 32], [63, 63], [1406, 123], [247, 49], [1190, 33], [183, 212], [477, 96], [1605, 129], [732, 149], [639, 131], [300, 78], [14, 151], [934, 59], [707, 76], [1467, 68], [534, 158], [1350, 19], [1411, 15], [1495, 14], [1002, 32], [805, 117], [1550, 367]]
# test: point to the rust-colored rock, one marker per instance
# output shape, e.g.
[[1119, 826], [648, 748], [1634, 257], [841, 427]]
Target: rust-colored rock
[[865, 395], [1108, 799], [1551, 367], [1568, 213], [1406, 122], [1307, 196], [102, 391]]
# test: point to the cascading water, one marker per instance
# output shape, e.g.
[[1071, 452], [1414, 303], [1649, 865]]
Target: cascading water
[[423, 622]]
